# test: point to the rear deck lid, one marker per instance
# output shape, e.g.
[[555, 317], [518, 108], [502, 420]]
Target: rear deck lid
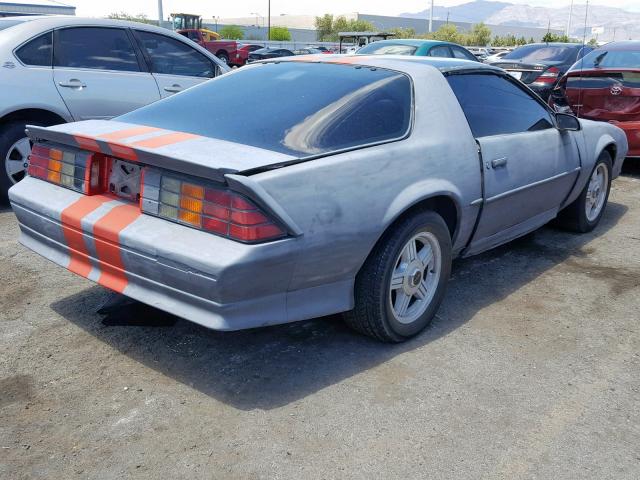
[[172, 150]]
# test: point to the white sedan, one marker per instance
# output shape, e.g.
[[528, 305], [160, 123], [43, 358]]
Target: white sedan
[[62, 69]]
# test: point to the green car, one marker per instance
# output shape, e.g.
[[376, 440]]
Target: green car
[[423, 48]]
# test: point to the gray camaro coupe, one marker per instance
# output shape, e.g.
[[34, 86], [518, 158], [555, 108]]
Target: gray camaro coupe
[[292, 189]]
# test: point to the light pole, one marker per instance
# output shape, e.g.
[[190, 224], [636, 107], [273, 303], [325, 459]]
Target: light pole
[[569, 21], [431, 18], [268, 19], [160, 14]]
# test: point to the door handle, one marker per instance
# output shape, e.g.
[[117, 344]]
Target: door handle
[[175, 88], [499, 162], [73, 83]]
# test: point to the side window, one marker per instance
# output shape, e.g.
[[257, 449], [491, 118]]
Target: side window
[[38, 51], [440, 51], [494, 105], [462, 54], [173, 57], [95, 47]]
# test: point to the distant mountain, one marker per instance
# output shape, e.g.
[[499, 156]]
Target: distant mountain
[[472, 12], [616, 22]]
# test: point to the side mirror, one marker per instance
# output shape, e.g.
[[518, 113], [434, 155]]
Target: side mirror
[[567, 122]]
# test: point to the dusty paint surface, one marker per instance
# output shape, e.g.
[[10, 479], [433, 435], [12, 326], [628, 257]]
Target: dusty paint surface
[[531, 370]]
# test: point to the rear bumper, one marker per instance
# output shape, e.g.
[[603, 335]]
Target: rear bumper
[[210, 280], [632, 130]]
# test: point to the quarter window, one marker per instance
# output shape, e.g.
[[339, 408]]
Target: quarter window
[[96, 48], [460, 53], [37, 52], [494, 105], [173, 57], [440, 51]]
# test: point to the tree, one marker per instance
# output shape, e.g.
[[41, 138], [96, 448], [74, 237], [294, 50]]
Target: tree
[[447, 33], [593, 42], [328, 27], [480, 35], [280, 33], [324, 26], [403, 32], [232, 32], [140, 18]]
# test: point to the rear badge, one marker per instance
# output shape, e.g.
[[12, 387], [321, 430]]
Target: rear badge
[[616, 90]]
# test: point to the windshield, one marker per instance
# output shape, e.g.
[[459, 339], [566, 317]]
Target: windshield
[[376, 48], [540, 53], [287, 107], [610, 59]]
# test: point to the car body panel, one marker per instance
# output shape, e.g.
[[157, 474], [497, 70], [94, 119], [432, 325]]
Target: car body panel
[[340, 204]]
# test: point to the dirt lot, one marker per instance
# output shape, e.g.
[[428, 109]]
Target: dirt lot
[[531, 370]]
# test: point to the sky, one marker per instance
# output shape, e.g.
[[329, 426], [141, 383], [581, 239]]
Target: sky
[[243, 8]]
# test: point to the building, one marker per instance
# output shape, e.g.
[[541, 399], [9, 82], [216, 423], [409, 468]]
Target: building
[[35, 7], [302, 27]]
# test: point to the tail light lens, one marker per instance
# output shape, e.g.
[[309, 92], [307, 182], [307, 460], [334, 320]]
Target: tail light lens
[[206, 207], [550, 75], [77, 170]]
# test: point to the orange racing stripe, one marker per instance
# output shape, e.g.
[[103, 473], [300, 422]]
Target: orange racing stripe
[[127, 132], [164, 140], [106, 232], [71, 218]]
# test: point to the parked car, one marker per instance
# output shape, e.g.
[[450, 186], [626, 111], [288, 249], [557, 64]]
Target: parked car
[[605, 85], [307, 51], [230, 52], [61, 69], [268, 52], [495, 57], [541, 65], [322, 48], [481, 53], [242, 56], [430, 48], [354, 199]]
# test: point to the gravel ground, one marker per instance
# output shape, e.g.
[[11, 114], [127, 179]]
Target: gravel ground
[[531, 370]]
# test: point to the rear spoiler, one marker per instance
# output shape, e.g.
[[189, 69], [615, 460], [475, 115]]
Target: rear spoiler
[[175, 151], [178, 151]]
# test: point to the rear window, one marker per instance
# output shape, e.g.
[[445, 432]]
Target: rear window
[[387, 49], [609, 59], [288, 107], [538, 53], [9, 23]]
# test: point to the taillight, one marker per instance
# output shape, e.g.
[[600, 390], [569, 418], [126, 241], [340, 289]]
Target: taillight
[[206, 207], [550, 75], [75, 169]]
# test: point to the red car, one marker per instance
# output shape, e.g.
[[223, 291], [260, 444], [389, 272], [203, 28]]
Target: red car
[[605, 85], [231, 52]]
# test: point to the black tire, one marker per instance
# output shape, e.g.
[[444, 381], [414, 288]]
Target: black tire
[[224, 57], [574, 217], [10, 133], [373, 314]]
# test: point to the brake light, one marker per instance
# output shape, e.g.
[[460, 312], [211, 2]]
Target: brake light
[[206, 207], [550, 75], [74, 169]]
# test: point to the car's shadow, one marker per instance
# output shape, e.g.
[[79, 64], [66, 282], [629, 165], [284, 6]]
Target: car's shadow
[[4, 205], [631, 167], [271, 367]]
